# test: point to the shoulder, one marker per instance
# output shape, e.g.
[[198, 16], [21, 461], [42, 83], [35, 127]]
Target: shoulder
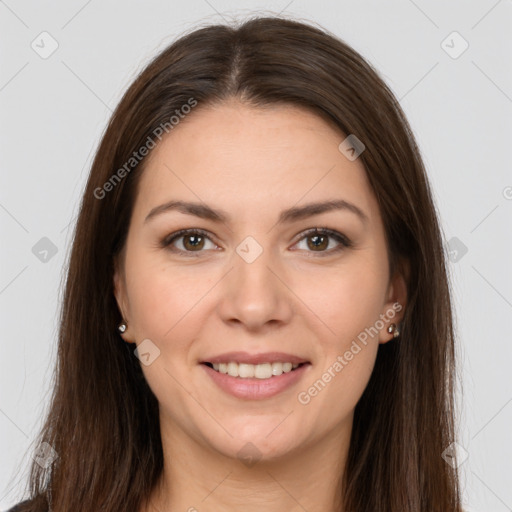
[[19, 507]]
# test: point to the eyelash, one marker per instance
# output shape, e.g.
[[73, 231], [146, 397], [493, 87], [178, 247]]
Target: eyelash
[[341, 239]]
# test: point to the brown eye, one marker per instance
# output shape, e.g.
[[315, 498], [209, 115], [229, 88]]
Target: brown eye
[[192, 242], [187, 241], [318, 240]]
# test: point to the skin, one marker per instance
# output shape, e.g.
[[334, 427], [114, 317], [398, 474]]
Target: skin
[[253, 163]]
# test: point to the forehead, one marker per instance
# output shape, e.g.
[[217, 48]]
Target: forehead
[[250, 160]]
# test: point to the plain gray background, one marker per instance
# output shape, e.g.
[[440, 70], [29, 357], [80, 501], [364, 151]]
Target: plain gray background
[[458, 101]]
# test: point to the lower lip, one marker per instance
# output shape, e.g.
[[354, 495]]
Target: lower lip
[[256, 389]]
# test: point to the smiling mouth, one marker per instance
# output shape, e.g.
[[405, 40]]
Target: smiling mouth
[[258, 371]]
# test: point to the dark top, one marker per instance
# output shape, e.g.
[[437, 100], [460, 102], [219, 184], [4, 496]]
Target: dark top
[[17, 507]]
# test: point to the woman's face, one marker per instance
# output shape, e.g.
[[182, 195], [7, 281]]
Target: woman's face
[[254, 281]]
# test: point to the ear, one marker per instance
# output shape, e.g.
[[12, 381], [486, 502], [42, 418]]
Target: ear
[[122, 299], [394, 308]]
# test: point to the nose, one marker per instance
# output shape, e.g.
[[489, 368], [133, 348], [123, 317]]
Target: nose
[[255, 294]]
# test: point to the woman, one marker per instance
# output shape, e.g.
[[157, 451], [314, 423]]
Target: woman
[[257, 313]]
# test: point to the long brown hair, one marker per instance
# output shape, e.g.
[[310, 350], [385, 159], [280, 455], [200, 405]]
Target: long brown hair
[[103, 418]]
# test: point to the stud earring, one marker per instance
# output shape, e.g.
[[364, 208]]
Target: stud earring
[[121, 327], [393, 329]]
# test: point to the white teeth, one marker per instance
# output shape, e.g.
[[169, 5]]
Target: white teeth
[[259, 371], [263, 371], [246, 370], [233, 369]]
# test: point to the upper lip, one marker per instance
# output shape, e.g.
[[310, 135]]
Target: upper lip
[[264, 357]]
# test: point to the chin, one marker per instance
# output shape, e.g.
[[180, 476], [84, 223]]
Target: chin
[[259, 440]]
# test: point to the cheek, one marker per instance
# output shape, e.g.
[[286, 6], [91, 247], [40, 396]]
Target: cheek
[[348, 306], [342, 302], [165, 299]]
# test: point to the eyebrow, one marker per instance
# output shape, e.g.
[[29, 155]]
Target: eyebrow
[[290, 215]]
